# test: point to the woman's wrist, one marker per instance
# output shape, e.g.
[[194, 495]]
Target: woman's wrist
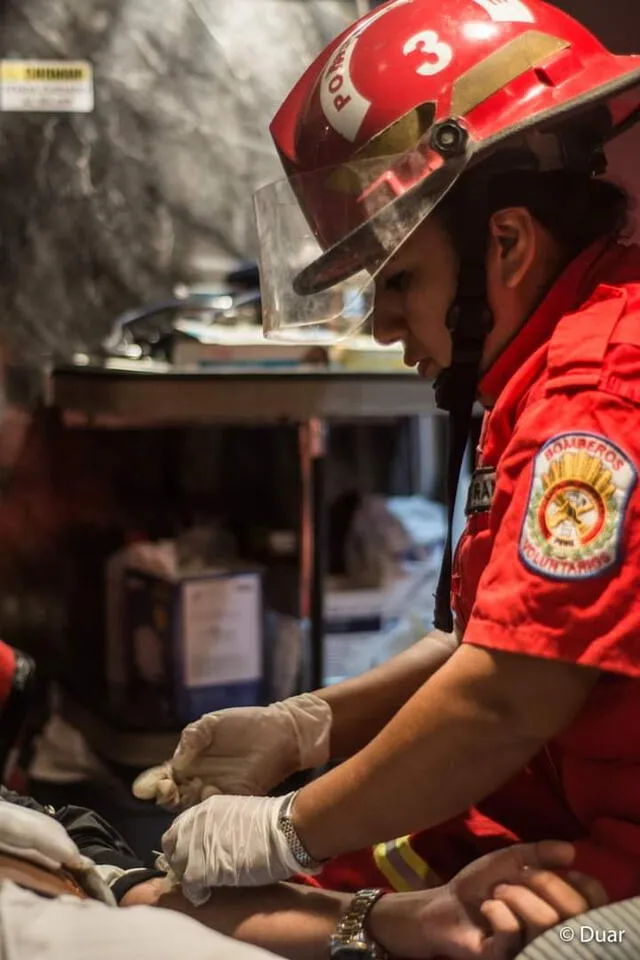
[[298, 812]]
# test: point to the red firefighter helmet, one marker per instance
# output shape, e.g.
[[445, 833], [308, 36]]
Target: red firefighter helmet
[[389, 116]]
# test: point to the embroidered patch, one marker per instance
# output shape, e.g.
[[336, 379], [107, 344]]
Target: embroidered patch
[[579, 494], [481, 490]]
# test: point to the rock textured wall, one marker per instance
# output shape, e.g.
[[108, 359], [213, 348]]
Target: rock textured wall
[[100, 212]]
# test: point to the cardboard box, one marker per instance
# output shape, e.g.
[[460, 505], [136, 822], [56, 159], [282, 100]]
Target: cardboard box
[[180, 647]]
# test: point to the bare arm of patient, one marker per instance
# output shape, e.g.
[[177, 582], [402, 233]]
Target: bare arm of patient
[[290, 920], [506, 897]]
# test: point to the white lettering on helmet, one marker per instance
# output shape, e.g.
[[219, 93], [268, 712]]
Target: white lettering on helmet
[[343, 105], [438, 55], [507, 11]]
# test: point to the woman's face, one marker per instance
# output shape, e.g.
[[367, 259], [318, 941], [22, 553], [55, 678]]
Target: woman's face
[[414, 293], [415, 290]]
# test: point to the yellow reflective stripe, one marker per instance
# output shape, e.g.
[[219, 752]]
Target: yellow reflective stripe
[[397, 883], [411, 858], [401, 865]]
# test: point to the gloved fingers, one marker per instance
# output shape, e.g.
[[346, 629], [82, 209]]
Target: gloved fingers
[[145, 786], [196, 894], [194, 740], [174, 793], [241, 776], [158, 784], [176, 842], [190, 792], [168, 794], [169, 842]]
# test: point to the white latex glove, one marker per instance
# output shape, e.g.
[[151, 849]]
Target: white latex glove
[[228, 842], [243, 751], [40, 839]]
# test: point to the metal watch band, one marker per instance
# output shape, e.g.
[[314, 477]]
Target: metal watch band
[[295, 844], [351, 938]]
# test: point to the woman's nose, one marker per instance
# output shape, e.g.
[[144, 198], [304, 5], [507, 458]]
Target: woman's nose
[[387, 328]]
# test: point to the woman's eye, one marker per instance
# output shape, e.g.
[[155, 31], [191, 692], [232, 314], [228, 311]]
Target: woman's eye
[[397, 282]]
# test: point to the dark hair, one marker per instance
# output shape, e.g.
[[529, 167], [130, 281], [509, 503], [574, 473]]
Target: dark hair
[[576, 208]]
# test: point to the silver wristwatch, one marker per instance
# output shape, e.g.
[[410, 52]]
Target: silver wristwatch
[[351, 940], [295, 844]]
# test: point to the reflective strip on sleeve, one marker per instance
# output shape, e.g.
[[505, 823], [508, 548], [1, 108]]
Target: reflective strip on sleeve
[[401, 865]]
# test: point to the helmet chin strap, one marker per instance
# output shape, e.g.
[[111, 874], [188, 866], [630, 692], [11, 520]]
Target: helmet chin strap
[[469, 321]]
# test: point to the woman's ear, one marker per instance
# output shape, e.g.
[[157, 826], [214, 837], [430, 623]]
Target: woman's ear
[[513, 241]]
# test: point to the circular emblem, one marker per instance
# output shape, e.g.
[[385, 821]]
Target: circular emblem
[[571, 515], [574, 506], [579, 494]]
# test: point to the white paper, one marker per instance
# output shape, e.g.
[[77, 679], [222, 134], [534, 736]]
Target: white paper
[[222, 630], [46, 86]]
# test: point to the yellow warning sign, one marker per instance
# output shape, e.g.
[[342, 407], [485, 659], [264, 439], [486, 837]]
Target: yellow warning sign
[[46, 86]]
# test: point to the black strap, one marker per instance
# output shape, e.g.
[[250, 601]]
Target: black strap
[[456, 388], [459, 429]]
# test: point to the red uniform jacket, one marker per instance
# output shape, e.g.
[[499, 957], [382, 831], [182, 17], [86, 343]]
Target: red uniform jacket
[[549, 566]]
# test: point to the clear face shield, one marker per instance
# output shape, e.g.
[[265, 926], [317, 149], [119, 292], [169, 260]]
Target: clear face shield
[[325, 236]]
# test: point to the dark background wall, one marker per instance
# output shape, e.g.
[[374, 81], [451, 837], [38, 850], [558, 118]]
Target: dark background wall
[[101, 212], [617, 23]]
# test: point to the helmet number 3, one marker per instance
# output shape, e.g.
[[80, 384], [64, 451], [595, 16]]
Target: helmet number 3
[[438, 54]]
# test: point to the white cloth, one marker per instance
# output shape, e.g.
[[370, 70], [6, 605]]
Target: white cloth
[[35, 928], [40, 839], [243, 751], [228, 842]]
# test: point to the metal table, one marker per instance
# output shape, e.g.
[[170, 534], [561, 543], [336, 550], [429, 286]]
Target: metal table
[[154, 396], [113, 396]]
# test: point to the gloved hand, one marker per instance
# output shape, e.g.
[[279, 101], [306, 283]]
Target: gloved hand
[[228, 842], [38, 838], [244, 751]]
